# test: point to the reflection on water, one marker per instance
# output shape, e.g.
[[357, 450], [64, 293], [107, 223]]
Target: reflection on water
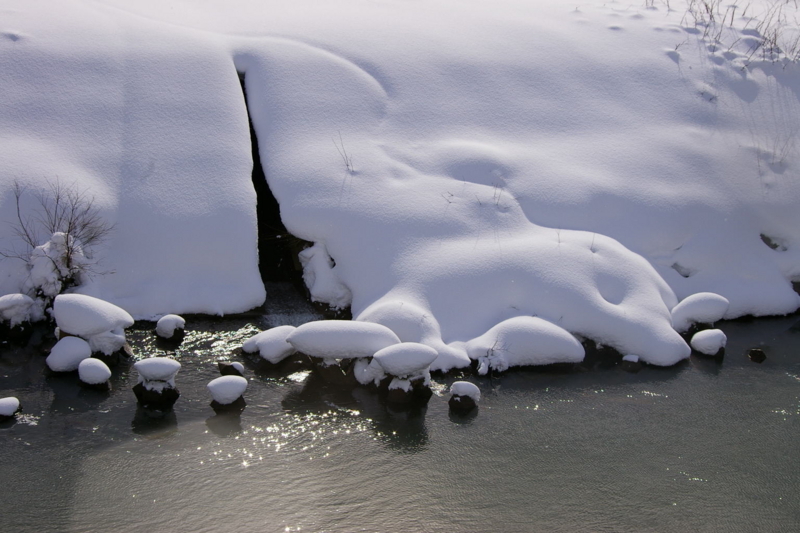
[[703, 445]]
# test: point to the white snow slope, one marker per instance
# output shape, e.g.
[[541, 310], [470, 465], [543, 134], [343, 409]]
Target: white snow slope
[[590, 164]]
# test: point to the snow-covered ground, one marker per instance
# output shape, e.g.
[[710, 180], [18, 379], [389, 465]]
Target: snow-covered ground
[[456, 163]]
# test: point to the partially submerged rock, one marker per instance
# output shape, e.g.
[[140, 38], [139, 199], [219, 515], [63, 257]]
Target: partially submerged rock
[[9, 407], [156, 388], [709, 342], [228, 368], [757, 355], [631, 363], [465, 396], [409, 364], [227, 391], [171, 327]]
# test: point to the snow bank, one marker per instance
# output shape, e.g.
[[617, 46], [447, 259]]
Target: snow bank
[[703, 308], [167, 324], [157, 369], [406, 359], [86, 316], [271, 344], [17, 308], [227, 389], [341, 338], [93, 371], [524, 340], [465, 388], [67, 354], [9, 406], [709, 341]]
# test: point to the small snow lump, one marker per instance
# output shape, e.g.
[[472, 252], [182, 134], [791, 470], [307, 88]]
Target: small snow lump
[[709, 341], [227, 389]]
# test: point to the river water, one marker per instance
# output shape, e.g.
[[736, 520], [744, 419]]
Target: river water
[[701, 446]]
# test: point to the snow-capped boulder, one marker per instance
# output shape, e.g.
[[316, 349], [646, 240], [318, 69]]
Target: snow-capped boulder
[[227, 389], [156, 387], [168, 324], [107, 342], [8, 407], [524, 340], [699, 308], [157, 369], [631, 363], [465, 396], [16, 309], [341, 338], [67, 354], [368, 371], [93, 371], [86, 316], [228, 368], [271, 344], [709, 341], [406, 359]]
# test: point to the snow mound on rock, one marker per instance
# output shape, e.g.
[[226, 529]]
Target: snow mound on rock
[[271, 344], [406, 359], [709, 341], [9, 406], [702, 307], [67, 354], [157, 369], [631, 358], [86, 316], [524, 340], [167, 324], [465, 388], [107, 342], [368, 371], [227, 389], [341, 338], [17, 308], [320, 277], [93, 371]]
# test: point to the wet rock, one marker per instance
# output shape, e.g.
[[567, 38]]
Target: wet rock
[[18, 334], [159, 399], [631, 363], [465, 396], [408, 392], [228, 368], [462, 404], [9, 407], [756, 355], [236, 406], [115, 358]]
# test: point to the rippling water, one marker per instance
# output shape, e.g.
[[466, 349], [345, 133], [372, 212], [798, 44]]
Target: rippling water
[[697, 447]]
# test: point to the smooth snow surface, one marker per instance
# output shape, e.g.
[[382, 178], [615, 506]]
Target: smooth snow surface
[[589, 165], [271, 344], [227, 389], [238, 366], [368, 371], [167, 324], [703, 307], [8, 406], [107, 342], [631, 358], [93, 371], [16, 309], [465, 388], [157, 369], [525, 340], [87, 316], [67, 354], [709, 341], [406, 359], [341, 338]]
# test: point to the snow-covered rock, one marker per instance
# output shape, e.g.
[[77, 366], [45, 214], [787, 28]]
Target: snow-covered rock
[[341, 338], [702, 307], [167, 324], [271, 344], [406, 359], [108, 342], [630, 358], [156, 370], [17, 308], [227, 368], [93, 371], [368, 371], [87, 316], [227, 389], [8, 406], [524, 340], [67, 354], [709, 341], [465, 388]]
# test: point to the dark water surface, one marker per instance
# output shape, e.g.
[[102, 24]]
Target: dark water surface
[[698, 447]]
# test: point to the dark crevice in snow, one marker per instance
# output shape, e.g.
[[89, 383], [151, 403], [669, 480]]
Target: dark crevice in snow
[[277, 248]]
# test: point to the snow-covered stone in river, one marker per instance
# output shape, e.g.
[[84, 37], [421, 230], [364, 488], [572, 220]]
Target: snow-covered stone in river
[[227, 389], [271, 344], [67, 354], [227, 368], [709, 341], [524, 340], [341, 338], [157, 372], [16, 309], [630, 358], [86, 316], [93, 371], [167, 324], [406, 359], [368, 371], [8, 406], [107, 342], [702, 307], [465, 388]]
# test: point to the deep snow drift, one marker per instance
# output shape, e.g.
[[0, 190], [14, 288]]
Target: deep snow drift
[[457, 164]]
